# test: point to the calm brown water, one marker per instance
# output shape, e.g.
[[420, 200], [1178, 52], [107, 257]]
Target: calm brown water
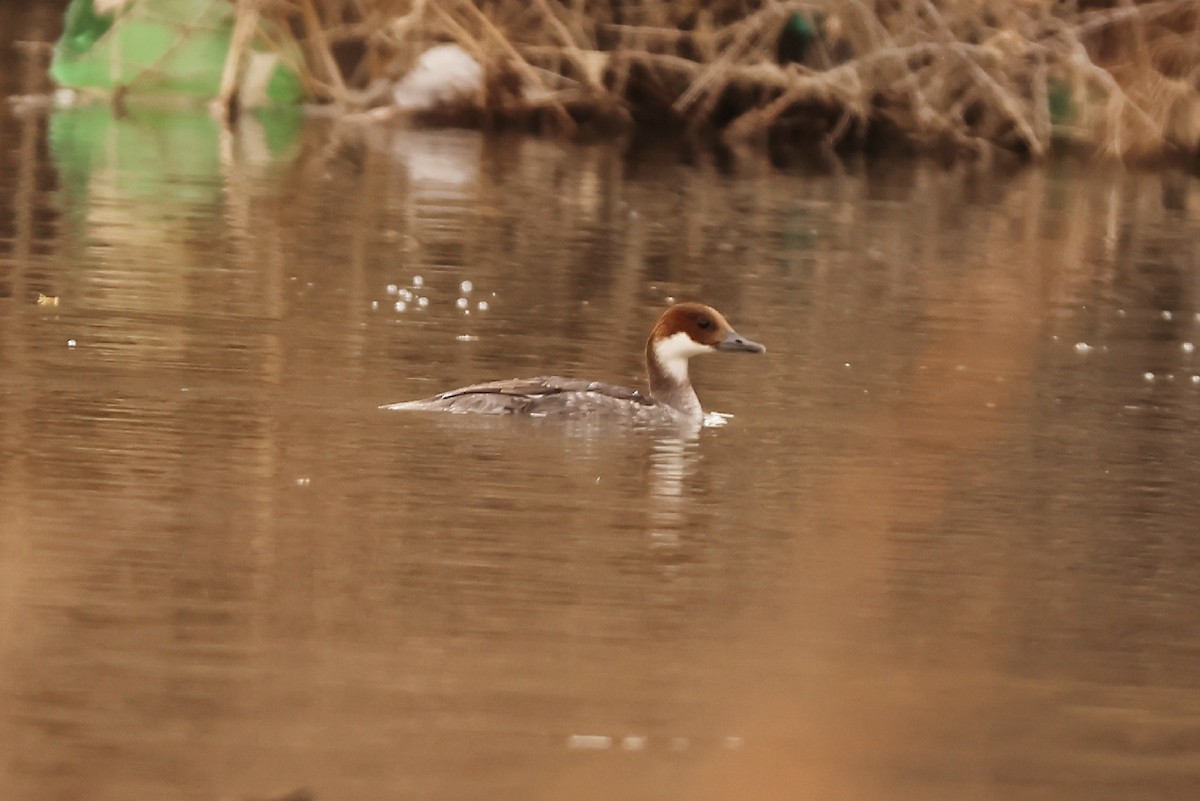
[[946, 548]]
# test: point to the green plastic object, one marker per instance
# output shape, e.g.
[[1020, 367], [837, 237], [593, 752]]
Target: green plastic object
[[797, 38], [801, 26], [154, 47], [1062, 104]]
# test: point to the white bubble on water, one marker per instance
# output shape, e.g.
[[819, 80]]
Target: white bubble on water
[[1188, 347], [418, 280], [1082, 347], [392, 289], [462, 304], [423, 302], [589, 742], [483, 305], [401, 306], [466, 286]]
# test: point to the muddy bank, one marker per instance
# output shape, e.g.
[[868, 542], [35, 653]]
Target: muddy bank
[[1025, 77], [1022, 78]]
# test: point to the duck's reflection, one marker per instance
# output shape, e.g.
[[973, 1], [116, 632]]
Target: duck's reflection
[[672, 460]]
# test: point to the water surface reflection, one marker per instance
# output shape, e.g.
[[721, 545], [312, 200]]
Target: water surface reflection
[[945, 547]]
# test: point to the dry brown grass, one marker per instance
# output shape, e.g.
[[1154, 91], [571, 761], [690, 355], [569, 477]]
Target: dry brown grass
[[1021, 75]]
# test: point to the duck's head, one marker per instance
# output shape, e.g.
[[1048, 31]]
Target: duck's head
[[691, 329]]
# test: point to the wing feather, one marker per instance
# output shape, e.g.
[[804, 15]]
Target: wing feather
[[518, 395]]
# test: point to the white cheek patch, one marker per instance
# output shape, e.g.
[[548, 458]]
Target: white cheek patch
[[673, 354]]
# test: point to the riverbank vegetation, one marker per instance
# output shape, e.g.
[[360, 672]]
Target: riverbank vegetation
[[1109, 78], [1025, 76]]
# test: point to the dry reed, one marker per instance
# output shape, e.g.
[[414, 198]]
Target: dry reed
[[1019, 75]]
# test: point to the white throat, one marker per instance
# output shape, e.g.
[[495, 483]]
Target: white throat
[[673, 352]]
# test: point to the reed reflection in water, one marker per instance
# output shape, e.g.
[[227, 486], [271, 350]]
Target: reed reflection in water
[[944, 548]]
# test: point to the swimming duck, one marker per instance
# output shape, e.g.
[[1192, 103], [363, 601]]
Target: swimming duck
[[683, 331]]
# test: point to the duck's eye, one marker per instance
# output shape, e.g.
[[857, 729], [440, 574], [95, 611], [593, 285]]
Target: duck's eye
[[704, 323]]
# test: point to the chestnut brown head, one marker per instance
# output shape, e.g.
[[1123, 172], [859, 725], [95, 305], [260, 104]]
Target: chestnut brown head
[[704, 328]]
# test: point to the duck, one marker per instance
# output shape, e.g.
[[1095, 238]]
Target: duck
[[683, 331]]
